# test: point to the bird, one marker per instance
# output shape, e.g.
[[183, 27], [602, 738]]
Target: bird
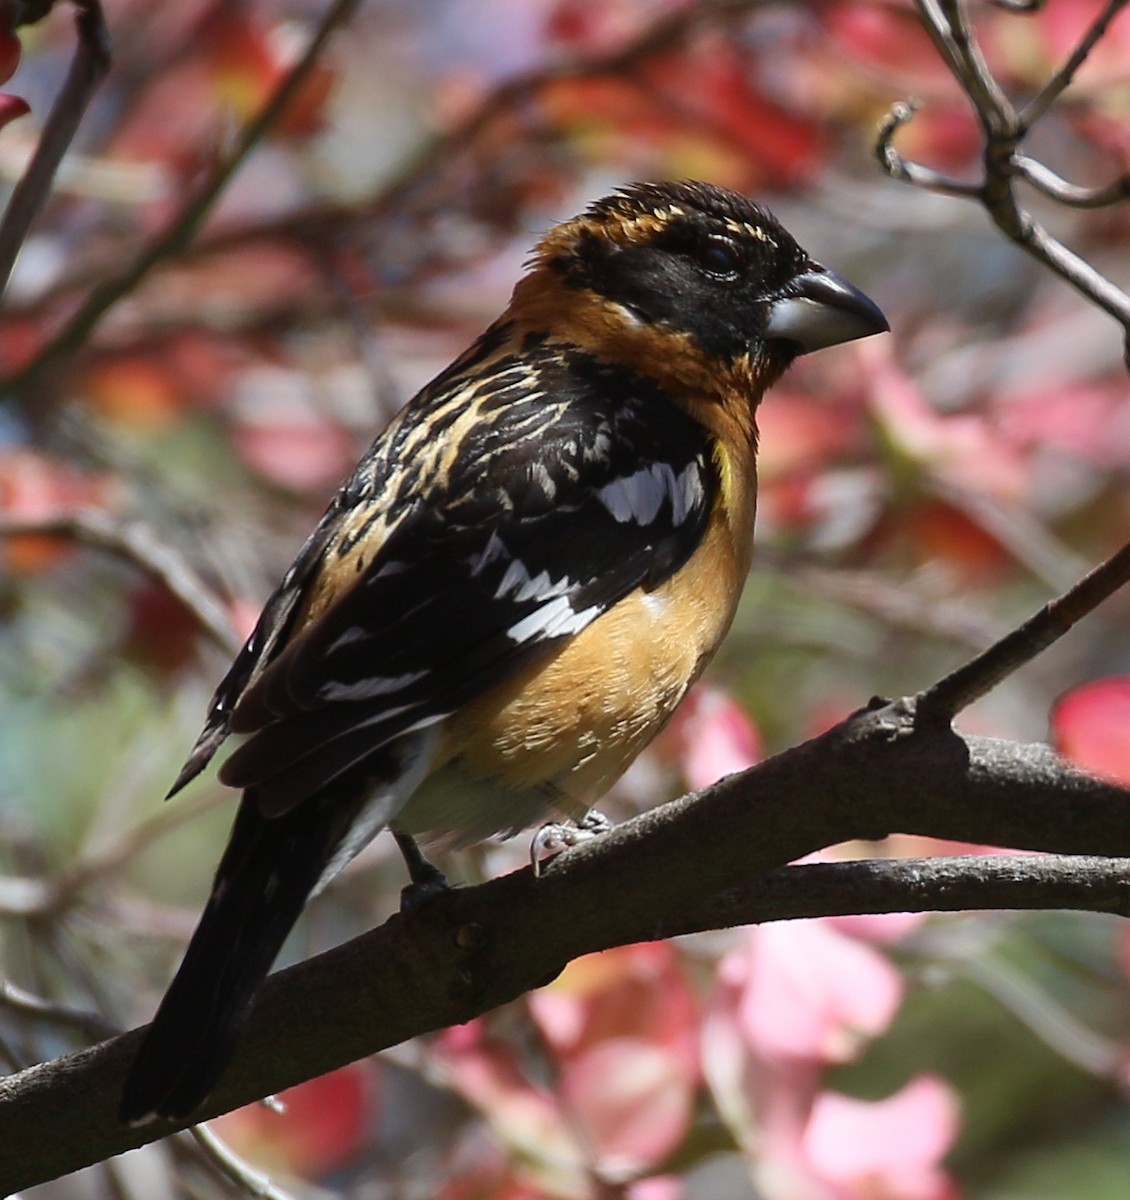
[[508, 598]]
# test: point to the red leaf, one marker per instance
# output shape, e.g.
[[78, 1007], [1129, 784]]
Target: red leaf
[[320, 1128], [161, 632], [1091, 726], [12, 107], [36, 488], [9, 56]]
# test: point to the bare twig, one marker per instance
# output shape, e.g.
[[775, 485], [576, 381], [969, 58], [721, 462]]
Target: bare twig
[[240, 1172], [947, 25], [906, 171], [183, 226], [907, 604], [88, 67], [1020, 532], [976, 678], [1045, 180], [138, 544], [72, 882], [91, 1025], [1022, 6], [1004, 130], [1063, 78], [1045, 1017], [322, 221]]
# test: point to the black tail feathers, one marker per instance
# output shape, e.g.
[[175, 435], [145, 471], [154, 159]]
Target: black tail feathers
[[261, 885]]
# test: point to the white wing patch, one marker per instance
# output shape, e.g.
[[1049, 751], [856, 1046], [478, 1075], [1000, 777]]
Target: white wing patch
[[492, 550], [639, 497], [688, 493], [518, 585], [554, 619]]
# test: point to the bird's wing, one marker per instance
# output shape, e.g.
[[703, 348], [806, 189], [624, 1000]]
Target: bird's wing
[[585, 483]]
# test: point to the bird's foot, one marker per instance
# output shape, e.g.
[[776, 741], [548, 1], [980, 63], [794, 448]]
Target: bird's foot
[[427, 880], [550, 840]]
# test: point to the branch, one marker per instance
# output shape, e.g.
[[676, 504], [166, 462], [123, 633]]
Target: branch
[[139, 545], [88, 68], [32, 1007], [322, 222], [902, 169], [1046, 181], [946, 698], [188, 220], [703, 862], [229, 1164], [1065, 76], [1003, 162]]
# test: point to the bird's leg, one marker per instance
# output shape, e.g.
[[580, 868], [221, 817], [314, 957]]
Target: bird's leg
[[551, 839], [427, 880]]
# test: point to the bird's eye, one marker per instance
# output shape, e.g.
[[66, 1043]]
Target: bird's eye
[[719, 258]]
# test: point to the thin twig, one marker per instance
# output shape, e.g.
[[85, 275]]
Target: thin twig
[[906, 171], [88, 68], [1065, 76], [1003, 163], [1045, 180], [998, 117], [1020, 532], [100, 864], [1049, 1020], [91, 1024], [908, 604], [945, 699], [236, 1169], [139, 545], [188, 219], [322, 221]]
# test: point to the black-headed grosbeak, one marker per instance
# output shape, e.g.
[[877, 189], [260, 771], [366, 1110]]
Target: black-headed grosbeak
[[515, 588]]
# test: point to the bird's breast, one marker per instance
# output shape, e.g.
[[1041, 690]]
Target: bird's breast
[[559, 734]]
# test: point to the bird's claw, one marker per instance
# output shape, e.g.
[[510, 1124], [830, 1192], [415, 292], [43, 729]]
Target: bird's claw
[[551, 839]]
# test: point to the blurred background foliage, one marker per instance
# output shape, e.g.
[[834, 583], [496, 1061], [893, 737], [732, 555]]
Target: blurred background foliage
[[920, 494]]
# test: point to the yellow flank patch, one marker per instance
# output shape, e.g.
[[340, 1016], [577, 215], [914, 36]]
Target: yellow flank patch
[[570, 725]]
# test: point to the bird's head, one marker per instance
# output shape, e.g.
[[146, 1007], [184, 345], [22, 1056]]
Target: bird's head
[[695, 280]]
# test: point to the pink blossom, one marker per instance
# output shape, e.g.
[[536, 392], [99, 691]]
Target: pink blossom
[[623, 1029], [880, 928], [807, 991], [630, 1101], [963, 451], [712, 736], [887, 1149]]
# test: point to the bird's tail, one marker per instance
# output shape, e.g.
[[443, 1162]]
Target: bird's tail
[[268, 870]]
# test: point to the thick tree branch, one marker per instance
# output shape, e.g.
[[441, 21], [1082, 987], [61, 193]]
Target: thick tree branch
[[703, 862]]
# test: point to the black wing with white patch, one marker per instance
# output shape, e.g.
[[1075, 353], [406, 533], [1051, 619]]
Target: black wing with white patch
[[570, 487]]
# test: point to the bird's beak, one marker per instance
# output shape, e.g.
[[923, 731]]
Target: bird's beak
[[820, 309]]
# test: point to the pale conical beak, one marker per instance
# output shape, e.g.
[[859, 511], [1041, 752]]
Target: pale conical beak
[[821, 309]]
